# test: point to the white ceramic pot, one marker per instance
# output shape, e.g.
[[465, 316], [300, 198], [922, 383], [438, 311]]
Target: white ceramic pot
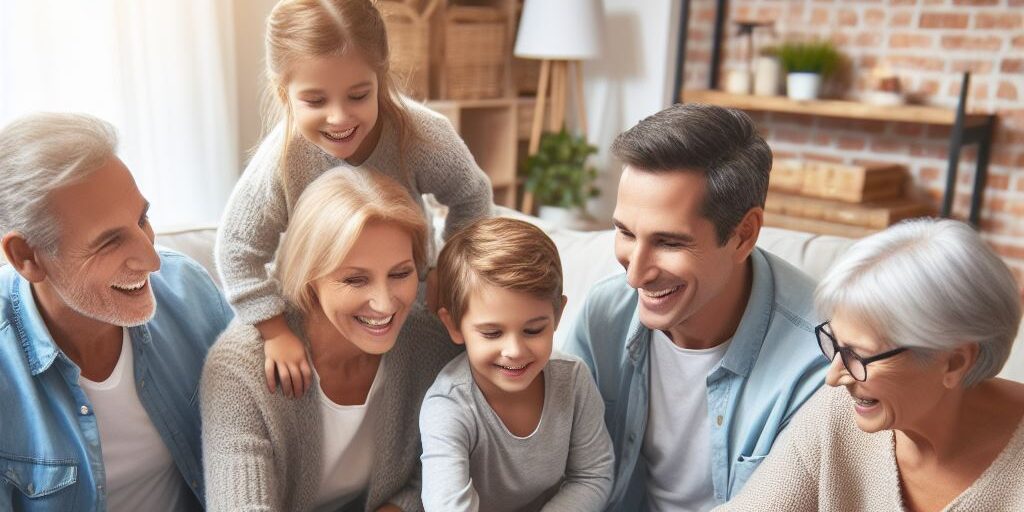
[[767, 76], [803, 86]]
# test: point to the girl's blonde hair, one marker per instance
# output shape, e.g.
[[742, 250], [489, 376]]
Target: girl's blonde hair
[[303, 29], [329, 216]]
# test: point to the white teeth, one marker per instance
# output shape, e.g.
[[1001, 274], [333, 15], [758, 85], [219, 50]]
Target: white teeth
[[340, 135], [658, 294], [863, 401], [514, 368], [130, 287], [375, 322]]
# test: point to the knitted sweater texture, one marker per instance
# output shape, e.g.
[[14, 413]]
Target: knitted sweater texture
[[824, 462], [261, 451], [438, 163]]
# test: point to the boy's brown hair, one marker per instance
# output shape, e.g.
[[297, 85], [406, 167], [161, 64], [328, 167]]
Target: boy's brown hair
[[502, 252]]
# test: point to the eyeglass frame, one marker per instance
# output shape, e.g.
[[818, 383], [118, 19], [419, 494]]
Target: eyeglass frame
[[843, 352]]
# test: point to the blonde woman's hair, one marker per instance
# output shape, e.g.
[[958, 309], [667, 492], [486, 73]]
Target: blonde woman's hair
[[329, 216], [301, 29], [502, 252]]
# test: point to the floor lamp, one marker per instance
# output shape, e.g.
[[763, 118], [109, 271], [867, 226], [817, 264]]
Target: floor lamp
[[561, 34]]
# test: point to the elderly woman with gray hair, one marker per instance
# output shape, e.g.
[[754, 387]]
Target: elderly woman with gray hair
[[922, 318]]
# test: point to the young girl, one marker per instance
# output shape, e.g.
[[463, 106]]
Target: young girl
[[336, 104]]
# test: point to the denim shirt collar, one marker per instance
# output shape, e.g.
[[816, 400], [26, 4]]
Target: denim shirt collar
[[750, 334], [40, 349]]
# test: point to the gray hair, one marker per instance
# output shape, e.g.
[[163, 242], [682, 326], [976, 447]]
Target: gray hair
[[40, 153], [721, 143], [932, 284]]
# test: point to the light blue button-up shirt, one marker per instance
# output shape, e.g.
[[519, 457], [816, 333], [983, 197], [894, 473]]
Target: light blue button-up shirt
[[50, 456], [771, 368]]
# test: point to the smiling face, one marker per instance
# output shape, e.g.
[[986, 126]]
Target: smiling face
[[368, 297], [335, 106], [899, 393], [105, 254], [670, 251], [508, 337]]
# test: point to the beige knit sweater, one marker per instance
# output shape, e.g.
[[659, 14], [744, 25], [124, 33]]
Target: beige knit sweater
[[257, 212], [261, 451], [824, 462]]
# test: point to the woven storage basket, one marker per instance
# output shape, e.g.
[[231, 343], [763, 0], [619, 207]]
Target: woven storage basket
[[408, 41], [474, 61]]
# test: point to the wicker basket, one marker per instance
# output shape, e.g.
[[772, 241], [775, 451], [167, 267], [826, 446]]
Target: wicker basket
[[408, 41], [474, 61]]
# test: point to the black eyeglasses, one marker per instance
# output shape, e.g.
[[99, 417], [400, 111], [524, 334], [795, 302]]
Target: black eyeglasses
[[856, 365]]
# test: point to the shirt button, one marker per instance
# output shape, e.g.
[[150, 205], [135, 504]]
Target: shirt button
[[84, 410], [194, 484], [632, 438], [718, 420]]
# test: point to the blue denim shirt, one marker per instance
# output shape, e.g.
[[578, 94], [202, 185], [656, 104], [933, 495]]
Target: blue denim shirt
[[50, 456], [771, 367]]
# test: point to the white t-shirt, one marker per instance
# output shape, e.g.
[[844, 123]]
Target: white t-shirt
[[677, 444], [346, 451], [141, 474]]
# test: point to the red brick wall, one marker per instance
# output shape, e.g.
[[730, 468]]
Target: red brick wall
[[928, 44]]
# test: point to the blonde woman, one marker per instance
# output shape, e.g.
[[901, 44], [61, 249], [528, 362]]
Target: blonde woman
[[334, 103], [921, 319], [348, 268]]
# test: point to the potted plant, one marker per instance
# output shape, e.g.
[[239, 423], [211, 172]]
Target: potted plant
[[806, 65], [559, 178]]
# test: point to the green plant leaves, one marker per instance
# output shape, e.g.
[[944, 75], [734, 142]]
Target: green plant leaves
[[809, 57], [557, 174]]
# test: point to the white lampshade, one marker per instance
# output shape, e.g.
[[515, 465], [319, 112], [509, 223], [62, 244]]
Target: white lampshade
[[560, 29]]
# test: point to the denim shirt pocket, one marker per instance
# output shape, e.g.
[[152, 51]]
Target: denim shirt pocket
[[742, 470], [39, 479]]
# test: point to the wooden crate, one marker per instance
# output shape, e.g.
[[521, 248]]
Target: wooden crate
[[853, 183], [821, 227], [876, 215], [786, 175], [828, 180]]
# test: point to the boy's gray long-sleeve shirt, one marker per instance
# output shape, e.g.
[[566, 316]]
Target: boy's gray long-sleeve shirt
[[472, 462]]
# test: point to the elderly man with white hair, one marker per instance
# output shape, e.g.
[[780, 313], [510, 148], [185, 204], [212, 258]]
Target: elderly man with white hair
[[102, 338]]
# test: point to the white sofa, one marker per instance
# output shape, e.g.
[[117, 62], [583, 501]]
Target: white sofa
[[588, 257]]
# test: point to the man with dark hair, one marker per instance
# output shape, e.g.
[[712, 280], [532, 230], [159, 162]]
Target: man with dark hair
[[704, 349]]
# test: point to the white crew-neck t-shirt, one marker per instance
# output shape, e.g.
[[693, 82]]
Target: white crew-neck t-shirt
[[140, 473], [347, 448], [677, 443]]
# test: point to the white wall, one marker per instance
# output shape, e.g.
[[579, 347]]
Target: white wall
[[632, 81], [250, 18]]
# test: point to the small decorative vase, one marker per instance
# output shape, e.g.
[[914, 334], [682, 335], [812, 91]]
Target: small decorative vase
[[737, 82], [803, 86], [767, 75]]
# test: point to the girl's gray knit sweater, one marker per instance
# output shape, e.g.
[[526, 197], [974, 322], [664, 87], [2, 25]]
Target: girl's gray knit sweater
[[261, 451], [438, 163]]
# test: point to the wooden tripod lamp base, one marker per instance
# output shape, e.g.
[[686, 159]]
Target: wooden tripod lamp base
[[554, 74]]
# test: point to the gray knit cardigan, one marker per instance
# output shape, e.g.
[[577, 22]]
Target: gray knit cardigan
[[257, 213], [261, 451]]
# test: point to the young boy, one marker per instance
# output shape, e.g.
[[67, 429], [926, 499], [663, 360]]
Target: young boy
[[508, 425]]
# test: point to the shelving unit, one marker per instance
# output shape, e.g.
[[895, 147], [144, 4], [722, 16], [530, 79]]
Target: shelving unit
[[966, 128]]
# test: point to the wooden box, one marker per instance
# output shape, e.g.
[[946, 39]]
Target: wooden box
[[876, 215], [853, 183], [786, 175]]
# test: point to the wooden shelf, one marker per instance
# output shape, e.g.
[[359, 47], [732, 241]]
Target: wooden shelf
[[834, 108]]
